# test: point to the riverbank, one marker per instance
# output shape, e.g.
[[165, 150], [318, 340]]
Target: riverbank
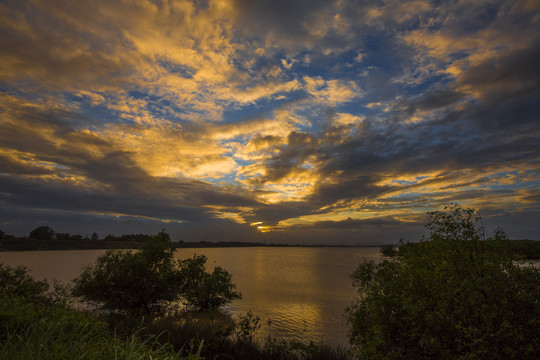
[[29, 244], [525, 249], [41, 324], [300, 293]]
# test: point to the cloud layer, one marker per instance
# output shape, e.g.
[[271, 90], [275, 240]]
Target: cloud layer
[[297, 121]]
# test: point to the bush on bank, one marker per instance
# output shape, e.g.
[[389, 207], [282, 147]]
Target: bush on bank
[[147, 280], [35, 324], [38, 324], [454, 295]]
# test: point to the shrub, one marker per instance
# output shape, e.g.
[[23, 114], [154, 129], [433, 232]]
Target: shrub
[[247, 327], [389, 250], [134, 281], [203, 290], [39, 331], [454, 295], [148, 279], [17, 281]]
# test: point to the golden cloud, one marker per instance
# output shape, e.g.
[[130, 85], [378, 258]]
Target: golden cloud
[[331, 92], [166, 151]]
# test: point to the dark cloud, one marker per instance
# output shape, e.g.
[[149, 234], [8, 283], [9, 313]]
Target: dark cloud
[[298, 148], [361, 223], [9, 165], [435, 99], [516, 71], [273, 214], [48, 50], [281, 19], [86, 183], [531, 197], [517, 224], [60, 196]]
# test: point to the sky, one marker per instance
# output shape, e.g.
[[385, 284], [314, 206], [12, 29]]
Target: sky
[[293, 121]]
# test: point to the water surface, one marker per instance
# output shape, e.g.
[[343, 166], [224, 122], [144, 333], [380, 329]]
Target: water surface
[[300, 293]]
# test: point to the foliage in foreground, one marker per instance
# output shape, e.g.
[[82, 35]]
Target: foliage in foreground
[[148, 279], [224, 338], [38, 324], [454, 295], [35, 325]]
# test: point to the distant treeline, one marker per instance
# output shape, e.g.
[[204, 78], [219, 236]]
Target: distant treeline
[[524, 249], [45, 238], [29, 244]]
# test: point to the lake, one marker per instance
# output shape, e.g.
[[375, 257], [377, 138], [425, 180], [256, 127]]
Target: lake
[[299, 292]]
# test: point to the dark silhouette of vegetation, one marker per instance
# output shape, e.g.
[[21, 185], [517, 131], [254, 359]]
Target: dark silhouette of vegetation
[[454, 295], [36, 323], [133, 281], [525, 249], [519, 249], [129, 238], [16, 281], [148, 279], [389, 250], [203, 290], [42, 233], [224, 338], [45, 238]]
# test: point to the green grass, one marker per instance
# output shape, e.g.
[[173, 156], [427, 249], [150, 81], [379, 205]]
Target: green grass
[[39, 323], [225, 339], [39, 331], [31, 329]]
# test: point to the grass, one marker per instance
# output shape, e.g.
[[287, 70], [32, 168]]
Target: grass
[[41, 331], [31, 329], [39, 323], [225, 339]]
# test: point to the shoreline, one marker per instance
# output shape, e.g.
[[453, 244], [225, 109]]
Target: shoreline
[[51, 245]]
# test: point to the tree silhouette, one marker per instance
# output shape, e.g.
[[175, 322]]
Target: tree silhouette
[[148, 279], [42, 233], [452, 296]]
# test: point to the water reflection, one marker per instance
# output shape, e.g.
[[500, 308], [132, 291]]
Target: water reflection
[[299, 293]]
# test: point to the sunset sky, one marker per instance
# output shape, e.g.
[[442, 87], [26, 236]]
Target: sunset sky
[[338, 122]]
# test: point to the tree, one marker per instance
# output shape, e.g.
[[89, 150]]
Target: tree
[[454, 295], [132, 281], [62, 236], [17, 281], [388, 250], [146, 280], [42, 233], [204, 290]]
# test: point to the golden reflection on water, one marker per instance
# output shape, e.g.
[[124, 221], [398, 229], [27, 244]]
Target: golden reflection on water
[[299, 293], [293, 286]]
